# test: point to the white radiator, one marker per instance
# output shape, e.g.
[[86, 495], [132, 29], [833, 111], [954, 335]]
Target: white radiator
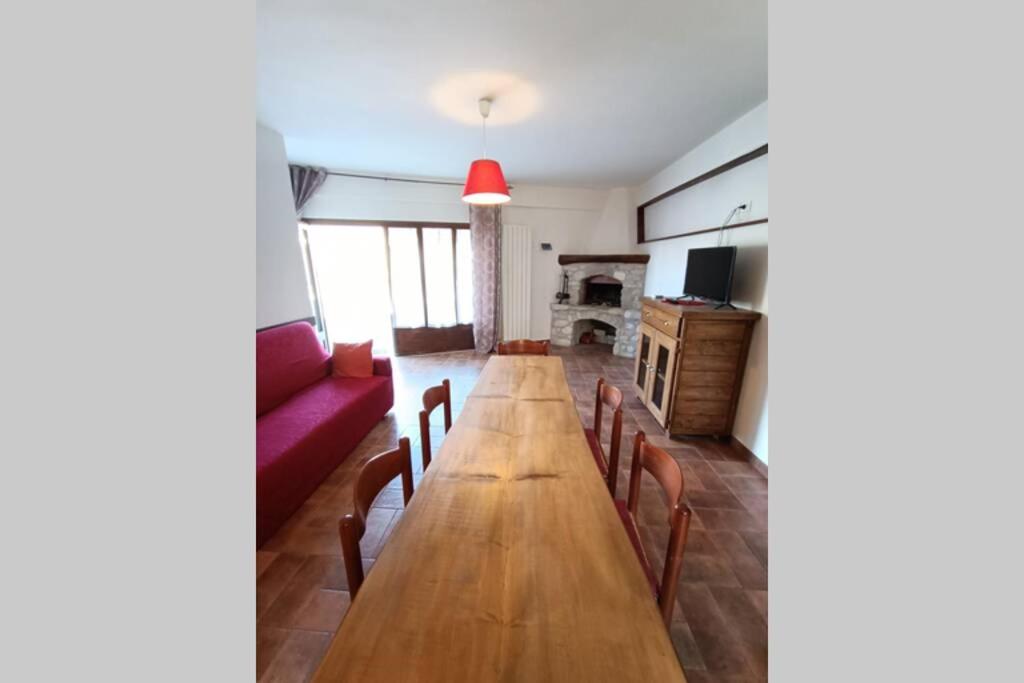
[[516, 251]]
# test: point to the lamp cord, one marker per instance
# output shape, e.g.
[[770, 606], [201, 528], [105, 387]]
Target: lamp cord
[[721, 230], [485, 137]]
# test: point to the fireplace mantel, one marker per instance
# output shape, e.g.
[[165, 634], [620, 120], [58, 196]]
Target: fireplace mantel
[[566, 259]]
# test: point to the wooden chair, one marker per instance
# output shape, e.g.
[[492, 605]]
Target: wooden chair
[[372, 478], [610, 396], [524, 347], [669, 475], [432, 398]]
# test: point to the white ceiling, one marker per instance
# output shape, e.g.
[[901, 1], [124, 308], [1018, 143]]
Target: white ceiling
[[595, 93]]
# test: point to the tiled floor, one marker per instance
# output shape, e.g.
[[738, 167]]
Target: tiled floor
[[720, 629]]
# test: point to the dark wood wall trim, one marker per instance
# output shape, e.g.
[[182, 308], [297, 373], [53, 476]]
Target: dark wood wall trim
[[386, 224], [704, 230], [718, 170], [311, 320], [566, 259]]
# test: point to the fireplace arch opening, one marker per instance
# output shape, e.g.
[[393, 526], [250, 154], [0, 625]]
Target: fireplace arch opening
[[590, 331]]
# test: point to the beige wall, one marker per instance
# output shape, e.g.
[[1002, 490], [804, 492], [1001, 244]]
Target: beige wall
[[281, 290]]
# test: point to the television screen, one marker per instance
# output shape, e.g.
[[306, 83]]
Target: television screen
[[709, 273]]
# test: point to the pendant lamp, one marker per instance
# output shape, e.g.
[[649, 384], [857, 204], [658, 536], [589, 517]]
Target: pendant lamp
[[485, 183]]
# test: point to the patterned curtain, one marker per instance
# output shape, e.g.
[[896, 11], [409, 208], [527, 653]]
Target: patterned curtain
[[485, 236], [305, 182]]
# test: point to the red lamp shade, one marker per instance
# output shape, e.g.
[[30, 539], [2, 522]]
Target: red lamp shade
[[485, 183]]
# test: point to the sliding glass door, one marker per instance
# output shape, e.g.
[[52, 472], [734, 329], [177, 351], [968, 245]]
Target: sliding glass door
[[408, 286]]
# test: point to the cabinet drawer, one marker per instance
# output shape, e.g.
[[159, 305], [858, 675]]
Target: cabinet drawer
[[715, 393], [648, 315], [718, 331], [667, 324], [705, 408]]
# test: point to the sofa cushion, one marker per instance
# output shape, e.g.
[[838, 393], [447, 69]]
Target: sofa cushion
[[305, 438], [352, 360], [288, 358]]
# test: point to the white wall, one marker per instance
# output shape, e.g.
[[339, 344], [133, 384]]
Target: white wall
[[667, 268], [573, 220], [281, 289]]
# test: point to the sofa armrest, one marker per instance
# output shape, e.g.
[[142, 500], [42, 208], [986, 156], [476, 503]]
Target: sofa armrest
[[382, 365]]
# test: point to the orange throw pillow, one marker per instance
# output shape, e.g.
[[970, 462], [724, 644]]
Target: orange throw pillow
[[353, 360]]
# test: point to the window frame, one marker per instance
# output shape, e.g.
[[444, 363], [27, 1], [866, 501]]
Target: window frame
[[408, 225]]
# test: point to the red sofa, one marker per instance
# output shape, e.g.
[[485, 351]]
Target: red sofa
[[307, 421]]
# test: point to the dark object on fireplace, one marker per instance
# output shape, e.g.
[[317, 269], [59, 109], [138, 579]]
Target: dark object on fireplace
[[587, 338], [563, 296], [601, 290]]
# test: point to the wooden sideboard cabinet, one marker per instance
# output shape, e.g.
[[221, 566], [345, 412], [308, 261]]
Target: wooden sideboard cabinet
[[689, 365]]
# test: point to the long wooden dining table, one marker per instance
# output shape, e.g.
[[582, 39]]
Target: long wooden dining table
[[510, 562]]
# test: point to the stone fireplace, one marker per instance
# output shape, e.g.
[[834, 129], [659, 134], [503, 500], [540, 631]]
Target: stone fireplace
[[604, 300]]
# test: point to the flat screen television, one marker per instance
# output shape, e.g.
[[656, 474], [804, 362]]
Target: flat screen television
[[709, 273]]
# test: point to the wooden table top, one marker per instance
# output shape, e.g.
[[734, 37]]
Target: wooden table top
[[510, 562]]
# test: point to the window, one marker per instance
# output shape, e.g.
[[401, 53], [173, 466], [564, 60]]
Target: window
[[372, 278], [431, 276], [464, 277], [353, 292], [406, 278]]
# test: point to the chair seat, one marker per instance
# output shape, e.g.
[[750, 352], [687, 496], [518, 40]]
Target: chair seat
[[634, 537], [596, 451]]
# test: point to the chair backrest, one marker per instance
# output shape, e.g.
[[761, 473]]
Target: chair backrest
[[670, 476], [373, 477], [608, 395], [524, 347], [432, 398]]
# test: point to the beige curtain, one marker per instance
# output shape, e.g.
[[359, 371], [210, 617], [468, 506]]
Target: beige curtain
[[485, 236]]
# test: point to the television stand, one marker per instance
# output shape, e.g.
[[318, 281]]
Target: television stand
[[724, 305]]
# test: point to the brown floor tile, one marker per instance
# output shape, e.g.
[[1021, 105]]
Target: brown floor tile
[[735, 520], [744, 620], [269, 640], [714, 499], [721, 650], [732, 468], [297, 658], [754, 484], [686, 647], [709, 479], [264, 559], [323, 611], [744, 564], [760, 601], [275, 578], [301, 595], [758, 544]]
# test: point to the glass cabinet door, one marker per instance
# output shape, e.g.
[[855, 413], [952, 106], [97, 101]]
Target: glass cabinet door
[[663, 356], [643, 362]]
